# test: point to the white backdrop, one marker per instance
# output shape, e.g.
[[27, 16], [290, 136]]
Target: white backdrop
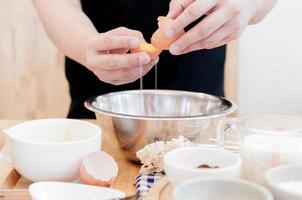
[[270, 63]]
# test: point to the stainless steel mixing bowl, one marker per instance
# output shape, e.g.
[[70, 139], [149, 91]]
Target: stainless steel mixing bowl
[[140, 117]]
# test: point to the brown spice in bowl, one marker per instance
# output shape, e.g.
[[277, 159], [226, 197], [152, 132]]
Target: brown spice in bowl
[[206, 166]]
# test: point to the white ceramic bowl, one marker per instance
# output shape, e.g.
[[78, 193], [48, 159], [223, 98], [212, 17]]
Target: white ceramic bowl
[[181, 164], [220, 189], [71, 191], [52, 149], [285, 182]]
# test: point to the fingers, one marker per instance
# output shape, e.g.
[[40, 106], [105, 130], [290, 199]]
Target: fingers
[[121, 39], [222, 36], [119, 51], [228, 39], [116, 61], [176, 7], [202, 30], [233, 28], [107, 57], [105, 42], [212, 40], [122, 31], [125, 75], [224, 19], [193, 12]]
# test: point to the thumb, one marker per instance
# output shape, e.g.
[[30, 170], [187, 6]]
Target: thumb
[[176, 7]]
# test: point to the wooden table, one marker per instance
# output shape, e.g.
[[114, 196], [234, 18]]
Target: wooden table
[[10, 180]]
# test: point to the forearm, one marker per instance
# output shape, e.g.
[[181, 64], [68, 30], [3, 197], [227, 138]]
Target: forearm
[[262, 9], [67, 26]]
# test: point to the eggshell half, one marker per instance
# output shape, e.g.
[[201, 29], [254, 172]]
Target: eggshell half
[[98, 168], [159, 39], [149, 48], [2, 139]]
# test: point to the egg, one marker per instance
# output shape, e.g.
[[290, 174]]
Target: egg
[[148, 48], [98, 168], [2, 139], [159, 39]]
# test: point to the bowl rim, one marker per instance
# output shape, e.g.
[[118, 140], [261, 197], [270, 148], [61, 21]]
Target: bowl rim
[[33, 187], [97, 135], [232, 106], [211, 171], [274, 184], [247, 183], [293, 132]]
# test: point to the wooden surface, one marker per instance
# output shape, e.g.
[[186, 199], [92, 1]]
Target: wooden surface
[[32, 80], [14, 195], [162, 190], [10, 179]]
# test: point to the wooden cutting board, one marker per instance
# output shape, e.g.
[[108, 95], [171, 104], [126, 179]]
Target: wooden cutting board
[[14, 187], [14, 194], [162, 190]]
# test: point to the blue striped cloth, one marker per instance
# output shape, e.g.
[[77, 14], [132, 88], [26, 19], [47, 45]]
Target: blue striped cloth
[[143, 183]]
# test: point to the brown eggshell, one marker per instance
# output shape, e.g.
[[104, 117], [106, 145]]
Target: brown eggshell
[[95, 168], [90, 180], [148, 48], [159, 39]]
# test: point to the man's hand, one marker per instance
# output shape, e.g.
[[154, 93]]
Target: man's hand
[[224, 21], [108, 57]]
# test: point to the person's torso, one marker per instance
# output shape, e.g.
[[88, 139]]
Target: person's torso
[[133, 14]]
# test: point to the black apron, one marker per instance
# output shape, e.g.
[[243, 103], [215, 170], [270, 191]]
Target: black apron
[[199, 71]]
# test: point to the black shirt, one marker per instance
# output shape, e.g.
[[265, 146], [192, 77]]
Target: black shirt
[[199, 71]]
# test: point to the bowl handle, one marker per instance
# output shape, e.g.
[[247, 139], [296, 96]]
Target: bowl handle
[[223, 126]]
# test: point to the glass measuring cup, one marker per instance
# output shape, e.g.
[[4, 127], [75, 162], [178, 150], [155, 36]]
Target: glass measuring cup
[[264, 142]]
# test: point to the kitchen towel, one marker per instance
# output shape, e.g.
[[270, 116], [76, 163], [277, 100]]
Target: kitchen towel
[[143, 183]]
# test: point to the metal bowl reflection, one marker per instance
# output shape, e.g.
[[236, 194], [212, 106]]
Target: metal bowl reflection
[[140, 117]]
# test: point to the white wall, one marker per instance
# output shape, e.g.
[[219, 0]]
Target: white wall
[[270, 63]]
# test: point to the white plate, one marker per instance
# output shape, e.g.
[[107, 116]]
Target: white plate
[[71, 191]]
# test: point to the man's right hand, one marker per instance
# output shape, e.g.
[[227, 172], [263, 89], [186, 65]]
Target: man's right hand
[[108, 57]]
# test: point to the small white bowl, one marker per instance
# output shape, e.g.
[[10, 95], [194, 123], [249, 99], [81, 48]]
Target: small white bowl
[[66, 191], [220, 189], [52, 149], [181, 164], [282, 179]]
